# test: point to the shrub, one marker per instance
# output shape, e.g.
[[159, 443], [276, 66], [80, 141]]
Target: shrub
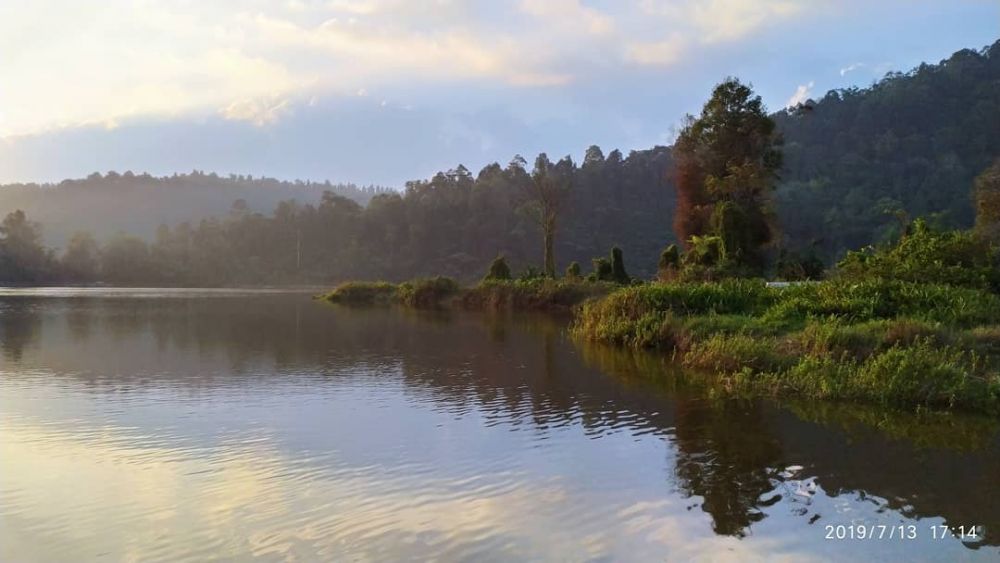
[[363, 293], [602, 270], [427, 293], [531, 273], [499, 270], [618, 274], [536, 294], [926, 255], [670, 261], [922, 374], [836, 341], [573, 271], [734, 353]]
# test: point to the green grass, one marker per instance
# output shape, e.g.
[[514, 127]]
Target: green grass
[[420, 293], [886, 342], [363, 293]]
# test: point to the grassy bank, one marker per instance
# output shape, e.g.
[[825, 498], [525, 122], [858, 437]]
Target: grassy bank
[[887, 342], [540, 294]]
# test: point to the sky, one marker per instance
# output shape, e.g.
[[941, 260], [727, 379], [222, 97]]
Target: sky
[[385, 91]]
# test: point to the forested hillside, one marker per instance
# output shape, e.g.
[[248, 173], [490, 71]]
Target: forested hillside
[[859, 161], [104, 204]]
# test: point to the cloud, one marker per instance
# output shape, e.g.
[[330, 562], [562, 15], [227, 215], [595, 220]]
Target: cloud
[[569, 13], [801, 94], [851, 67], [68, 65], [717, 21], [260, 112], [663, 52]]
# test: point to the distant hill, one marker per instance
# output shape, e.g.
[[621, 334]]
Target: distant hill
[[860, 160], [139, 203]]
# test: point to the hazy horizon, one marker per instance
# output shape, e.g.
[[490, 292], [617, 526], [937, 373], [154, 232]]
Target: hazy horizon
[[381, 92]]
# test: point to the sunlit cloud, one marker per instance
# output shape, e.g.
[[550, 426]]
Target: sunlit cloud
[[260, 112], [714, 21], [801, 94], [67, 65], [663, 52], [850, 68], [166, 85]]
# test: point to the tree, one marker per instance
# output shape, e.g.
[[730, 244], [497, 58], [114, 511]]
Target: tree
[[547, 193], [987, 196], [125, 260], [81, 258], [726, 163], [499, 270], [618, 273], [22, 256]]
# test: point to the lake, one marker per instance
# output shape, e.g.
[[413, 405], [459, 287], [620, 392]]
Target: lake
[[193, 425]]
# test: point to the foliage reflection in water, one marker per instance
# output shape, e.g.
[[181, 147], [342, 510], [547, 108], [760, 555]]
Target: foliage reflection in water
[[180, 425]]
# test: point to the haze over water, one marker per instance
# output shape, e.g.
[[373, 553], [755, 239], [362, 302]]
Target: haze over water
[[189, 425]]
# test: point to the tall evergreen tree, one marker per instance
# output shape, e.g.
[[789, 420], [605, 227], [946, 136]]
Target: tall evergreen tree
[[726, 163]]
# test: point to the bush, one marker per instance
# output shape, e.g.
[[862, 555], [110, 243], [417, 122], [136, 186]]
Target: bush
[[670, 261], [499, 270], [535, 294], [363, 293], [573, 271], [926, 255], [531, 273], [921, 374], [602, 270], [427, 293], [729, 354]]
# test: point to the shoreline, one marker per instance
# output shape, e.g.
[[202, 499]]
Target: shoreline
[[902, 344]]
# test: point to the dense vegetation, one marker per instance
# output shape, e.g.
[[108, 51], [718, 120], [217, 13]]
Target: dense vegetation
[[892, 342], [452, 224], [912, 323], [859, 163]]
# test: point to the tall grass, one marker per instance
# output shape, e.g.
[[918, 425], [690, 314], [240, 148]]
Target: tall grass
[[877, 340], [533, 294]]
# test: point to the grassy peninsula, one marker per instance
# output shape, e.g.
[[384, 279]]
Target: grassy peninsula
[[532, 294], [889, 342]]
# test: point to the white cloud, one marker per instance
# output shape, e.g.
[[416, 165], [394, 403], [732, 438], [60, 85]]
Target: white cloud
[[656, 52], [716, 21], [850, 68], [801, 94], [260, 112], [569, 13], [67, 64]]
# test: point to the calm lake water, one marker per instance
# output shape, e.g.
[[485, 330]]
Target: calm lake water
[[183, 425]]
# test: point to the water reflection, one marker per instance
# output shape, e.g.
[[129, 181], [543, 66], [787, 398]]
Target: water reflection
[[271, 426]]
